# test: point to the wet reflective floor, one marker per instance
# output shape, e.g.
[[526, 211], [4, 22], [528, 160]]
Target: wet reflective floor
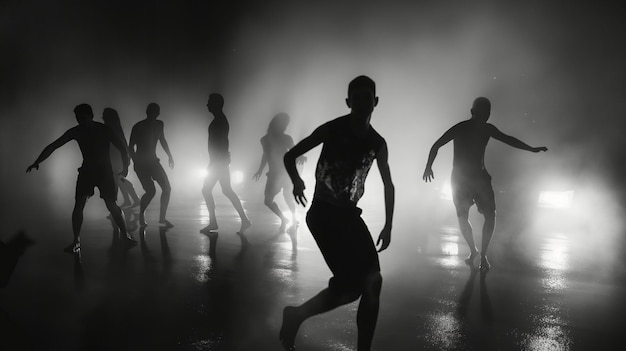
[[548, 289]]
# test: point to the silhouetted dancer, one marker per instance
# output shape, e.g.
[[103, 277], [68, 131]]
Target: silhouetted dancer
[[112, 120], [10, 252], [275, 144], [219, 166], [94, 139], [470, 181], [350, 146], [145, 135]]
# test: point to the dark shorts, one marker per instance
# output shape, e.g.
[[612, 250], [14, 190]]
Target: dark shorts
[[345, 243], [467, 190], [90, 178], [147, 171]]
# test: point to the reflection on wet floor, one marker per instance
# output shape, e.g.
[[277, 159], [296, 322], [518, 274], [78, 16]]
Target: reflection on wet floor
[[182, 289]]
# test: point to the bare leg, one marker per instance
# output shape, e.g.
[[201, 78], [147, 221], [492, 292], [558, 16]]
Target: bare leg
[[116, 213], [234, 199], [291, 204], [207, 192], [367, 314], [272, 205], [166, 189], [77, 223], [128, 191], [466, 231], [488, 228], [148, 186], [271, 189], [293, 317]]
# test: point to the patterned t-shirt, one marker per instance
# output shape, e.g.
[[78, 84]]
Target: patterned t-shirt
[[344, 163]]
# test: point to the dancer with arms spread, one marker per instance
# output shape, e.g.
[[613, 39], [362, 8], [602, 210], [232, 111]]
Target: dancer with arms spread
[[471, 183], [94, 140]]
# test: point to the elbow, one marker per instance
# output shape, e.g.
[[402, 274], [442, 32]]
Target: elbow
[[288, 158]]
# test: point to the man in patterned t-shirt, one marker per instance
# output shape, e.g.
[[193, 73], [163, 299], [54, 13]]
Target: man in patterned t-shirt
[[350, 146]]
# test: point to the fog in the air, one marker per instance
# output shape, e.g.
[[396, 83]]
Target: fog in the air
[[552, 80]]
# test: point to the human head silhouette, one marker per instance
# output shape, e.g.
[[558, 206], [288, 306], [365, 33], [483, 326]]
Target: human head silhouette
[[215, 103], [153, 110], [481, 109], [362, 96], [110, 116], [83, 113], [279, 123]]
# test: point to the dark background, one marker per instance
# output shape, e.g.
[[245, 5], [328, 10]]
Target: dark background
[[553, 70]]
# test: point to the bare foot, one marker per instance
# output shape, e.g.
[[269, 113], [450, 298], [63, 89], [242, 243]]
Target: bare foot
[[484, 264], [209, 228], [142, 220], [293, 229], [73, 248], [166, 223], [470, 259], [289, 329], [128, 241], [245, 224], [283, 225]]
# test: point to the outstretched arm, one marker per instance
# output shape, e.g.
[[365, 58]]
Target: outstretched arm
[[317, 137], [512, 141], [48, 150], [258, 173], [166, 147], [383, 167], [443, 140]]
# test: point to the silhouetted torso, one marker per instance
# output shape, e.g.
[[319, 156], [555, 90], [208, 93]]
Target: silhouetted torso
[[275, 146], [344, 163], [146, 134], [218, 139], [470, 142], [94, 140]]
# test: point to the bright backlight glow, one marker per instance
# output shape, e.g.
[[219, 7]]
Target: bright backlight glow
[[237, 177], [446, 192], [202, 173], [556, 199]]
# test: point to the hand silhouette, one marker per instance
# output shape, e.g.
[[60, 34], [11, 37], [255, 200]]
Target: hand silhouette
[[384, 239], [428, 175], [30, 168], [298, 193]]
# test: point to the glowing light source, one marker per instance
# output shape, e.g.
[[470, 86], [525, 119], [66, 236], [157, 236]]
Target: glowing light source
[[203, 173], [237, 177], [556, 199], [446, 192]]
